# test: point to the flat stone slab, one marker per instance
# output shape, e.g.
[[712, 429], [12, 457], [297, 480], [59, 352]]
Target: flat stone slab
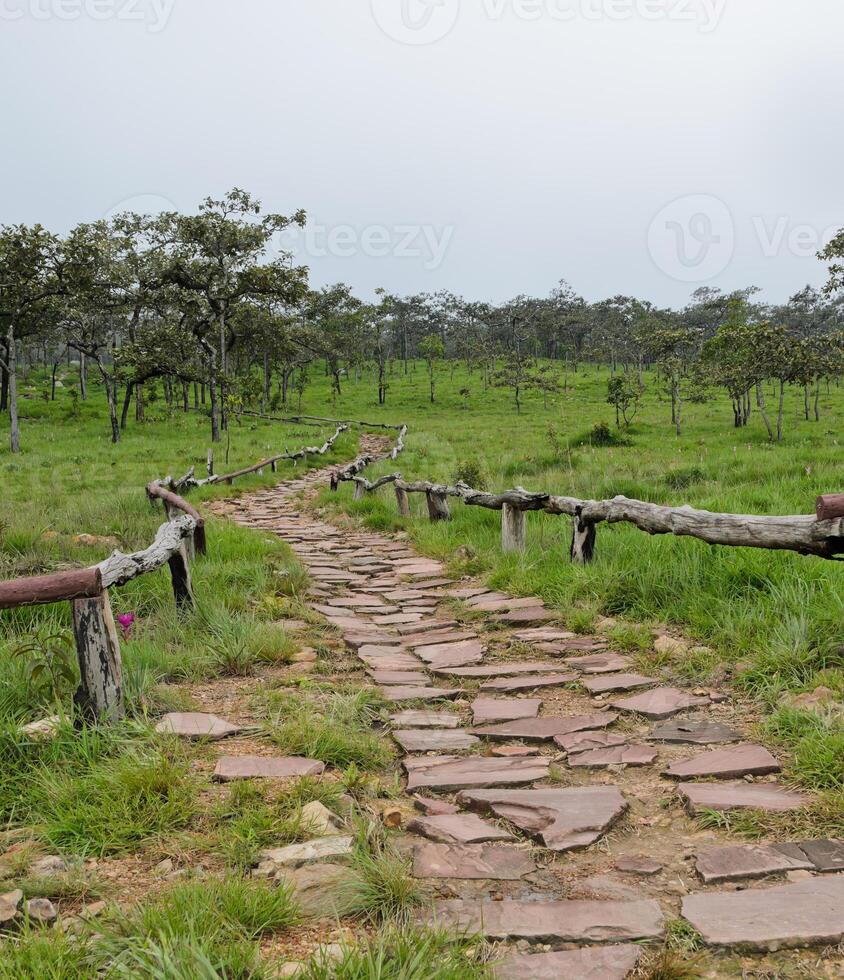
[[196, 724], [542, 634], [434, 808], [448, 772], [471, 862], [586, 740], [394, 661], [741, 796], [543, 729], [826, 855], [662, 702], [806, 913], [639, 865], [591, 963], [232, 767], [553, 922], [482, 604], [458, 654], [693, 731], [435, 639], [739, 760], [533, 614], [435, 740], [599, 663], [615, 755], [563, 819], [428, 626], [740, 861], [528, 683], [311, 852], [410, 693], [485, 710], [408, 678], [426, 719], [617, 682], [500, 670], [458, 828]]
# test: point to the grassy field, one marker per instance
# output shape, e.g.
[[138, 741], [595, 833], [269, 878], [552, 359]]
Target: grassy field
[[768, 623]]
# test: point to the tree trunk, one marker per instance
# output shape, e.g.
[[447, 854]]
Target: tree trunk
[[127, 400], [513, 529], [12, 366], [83, 377], [4, 387], [780, 409], [99, 697], [760, 403], [265, 394], [817, 400], [437, 506]]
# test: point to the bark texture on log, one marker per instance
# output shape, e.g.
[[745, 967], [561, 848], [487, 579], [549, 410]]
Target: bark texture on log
[[180, 573], [513, 530], [830, 507], [175, 505], [437, 506], [42, 589], [99, 696], [582, 540], [402, 502], [119, 568]]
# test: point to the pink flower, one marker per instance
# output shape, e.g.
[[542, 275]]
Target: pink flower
[[126, 620]]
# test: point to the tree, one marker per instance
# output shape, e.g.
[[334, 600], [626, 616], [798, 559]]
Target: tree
[[624, 393], [431, 349]]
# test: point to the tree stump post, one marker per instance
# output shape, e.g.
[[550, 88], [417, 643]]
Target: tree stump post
[[513, 529], [360, 491], [209, 464], [437, 506], [582, 540], [403, 502], [273, 466], [99, 696], [180, 573]]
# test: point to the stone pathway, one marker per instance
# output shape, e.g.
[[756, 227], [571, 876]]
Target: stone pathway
[[556, 814]]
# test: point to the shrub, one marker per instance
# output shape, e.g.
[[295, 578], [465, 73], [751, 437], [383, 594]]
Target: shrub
[[469, 471]]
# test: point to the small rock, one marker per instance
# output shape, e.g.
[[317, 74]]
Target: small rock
[[669, 645], [605, 624], [164, 867], [798, 875], [434, 808], [41, 910], [93, 910], [305, 656], [321, 849], [50, 865], [320, 820], [43, 728], [639, 865], [816, 701], [9, 905]]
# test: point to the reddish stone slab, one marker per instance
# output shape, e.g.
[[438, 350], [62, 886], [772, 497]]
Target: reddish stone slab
[[739, 760], [426, 719], [440, 636], [590, 963], [740, 861], [196, 724], [497, 670], [599, 663], [427, 626], [396, 619], [459, 828], [396, 694], [534, 614], [694, 731], [471, 862], [483, 604], [393, 661], [510, 684], [232, 767], [552, 922], [468, 592], [639, 865], [770, 797], [434, 808], [434, 740], [513, 751], [357, 640], [487, 710], [451, 654], [662, 702], [825, 855], [407, 677], [448, 772], [617, 682], [542, 634], [563, 819], [585, 740], [542, 729], [807, 913], [616, 755]]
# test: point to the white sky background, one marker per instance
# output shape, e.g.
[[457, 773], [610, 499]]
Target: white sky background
[[503, 156]]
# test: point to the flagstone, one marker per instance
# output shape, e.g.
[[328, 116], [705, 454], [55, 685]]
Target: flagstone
[[426, 719], [410, 693], [396, 662], [806, 913], [434, 740], [434, 808], [397, 619], [504, 605], [528, 683], [696, 731], [442, 654], [599, 663], [535, 614], [513, 751], [437, 638], [562, 819], [431, 626], [542, 729], [770, 797], [617, 755], [739, 861], [377, 650], [486, 710], [458, 828], [639, 864], [590, 963], [542, 634], [471, 862], [354, 641], [739, 760], [617, 682], [498, 669], [552, 922], [583, 741], [448, 772], [825, 855], [400, 677], [234, 767], [196, 724], [662, 702]]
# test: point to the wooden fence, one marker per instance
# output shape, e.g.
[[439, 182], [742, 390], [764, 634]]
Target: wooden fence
[[820, 534]]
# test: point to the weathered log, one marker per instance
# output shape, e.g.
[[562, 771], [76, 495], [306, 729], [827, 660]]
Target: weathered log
[[99, 697], [42, 589], [175, 505], [180, 573], [830, 507], [118, 568], [513, 530], [437, 505], [582, 540], [359, 491], [402, 502]]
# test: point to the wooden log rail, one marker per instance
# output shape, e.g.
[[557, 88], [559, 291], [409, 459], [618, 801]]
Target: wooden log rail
[[357, 466], [819, 535]]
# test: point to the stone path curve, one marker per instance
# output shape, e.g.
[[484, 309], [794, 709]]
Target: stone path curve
[[541, 764]]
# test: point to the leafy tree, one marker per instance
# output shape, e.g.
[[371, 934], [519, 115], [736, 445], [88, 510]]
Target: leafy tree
[[431, 349], [624, 392]]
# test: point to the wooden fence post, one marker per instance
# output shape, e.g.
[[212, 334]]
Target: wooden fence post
[[437, 506], [513, 528], [209, 463], [99, 696], [582, 540], [360, 491], [403, 502], [180, 573]]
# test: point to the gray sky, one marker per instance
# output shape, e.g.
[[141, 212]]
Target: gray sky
[[490, 147]]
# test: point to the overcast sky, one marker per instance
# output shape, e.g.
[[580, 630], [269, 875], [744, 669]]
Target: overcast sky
[[489, 147]]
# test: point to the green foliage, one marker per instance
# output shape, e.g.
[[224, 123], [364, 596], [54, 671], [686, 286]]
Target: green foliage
[[471, 472], [624, 393], [50, 663]]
